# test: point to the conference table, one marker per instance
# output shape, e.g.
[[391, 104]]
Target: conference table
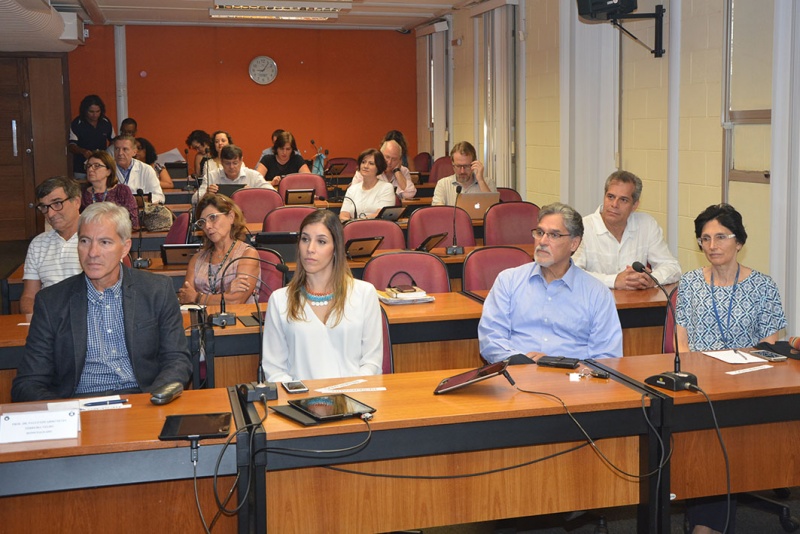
[[759, 416], [117, 476], [494, 452]]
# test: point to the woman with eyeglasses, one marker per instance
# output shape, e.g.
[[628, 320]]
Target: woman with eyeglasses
[[224, 232], [725, 305], [101, 173], [325, 323]]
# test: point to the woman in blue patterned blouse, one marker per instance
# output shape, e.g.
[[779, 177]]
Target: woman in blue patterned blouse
[[724, 305]]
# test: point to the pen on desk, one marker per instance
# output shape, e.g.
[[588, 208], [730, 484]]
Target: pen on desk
[[742, 354], [106, 402]]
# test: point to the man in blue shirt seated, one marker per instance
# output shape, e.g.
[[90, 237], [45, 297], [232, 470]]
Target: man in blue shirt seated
[[110, 329], [550, 307]]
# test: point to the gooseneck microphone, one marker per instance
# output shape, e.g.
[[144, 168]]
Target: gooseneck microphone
[[140, 262], [672, 380], [222, 318], [189, 187], [355, 208], [455, 249]]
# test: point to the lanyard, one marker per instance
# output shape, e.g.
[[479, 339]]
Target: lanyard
[[212, 279], [730, 306], [94, 197]]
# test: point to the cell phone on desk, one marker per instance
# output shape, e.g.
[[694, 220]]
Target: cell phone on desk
[[404, 288], [295, 387], [769, 355]]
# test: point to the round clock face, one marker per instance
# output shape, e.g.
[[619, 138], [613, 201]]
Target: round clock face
[[263, 70]]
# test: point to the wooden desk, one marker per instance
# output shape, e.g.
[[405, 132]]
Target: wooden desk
[[759, 413], [487, 426], [116, 448]]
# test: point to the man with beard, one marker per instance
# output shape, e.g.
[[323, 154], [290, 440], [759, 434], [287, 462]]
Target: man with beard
[[550, 307]]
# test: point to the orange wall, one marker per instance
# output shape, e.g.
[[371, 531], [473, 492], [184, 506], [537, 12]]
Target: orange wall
[[345, 89]]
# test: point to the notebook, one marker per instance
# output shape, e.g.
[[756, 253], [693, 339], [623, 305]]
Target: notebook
[[476, 204], [284, 243], [178, 254]]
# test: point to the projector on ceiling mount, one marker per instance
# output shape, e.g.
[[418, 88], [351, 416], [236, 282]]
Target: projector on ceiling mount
[[605, 9]]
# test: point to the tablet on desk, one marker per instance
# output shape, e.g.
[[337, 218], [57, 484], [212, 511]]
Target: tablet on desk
[[229, 189], [196, 426], [470, 377], [362, 247], [431, 242], [391, 213], [331, 407], [296, 197]]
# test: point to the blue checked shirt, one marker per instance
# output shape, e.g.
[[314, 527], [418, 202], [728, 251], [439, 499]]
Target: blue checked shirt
[[108, 366]]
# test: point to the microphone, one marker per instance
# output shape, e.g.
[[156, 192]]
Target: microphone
[[189, 187], [455, 249], [139, 262], [222, 318], [190, 227], [672, 380], [355, 208]]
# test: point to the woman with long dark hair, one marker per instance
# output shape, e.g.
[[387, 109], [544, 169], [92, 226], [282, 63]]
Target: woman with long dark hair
[[91, 130], [325, 323]]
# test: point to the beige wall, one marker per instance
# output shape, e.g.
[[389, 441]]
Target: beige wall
[[643, 120]]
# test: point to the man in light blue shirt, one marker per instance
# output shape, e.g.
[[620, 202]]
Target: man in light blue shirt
[[550, 307]]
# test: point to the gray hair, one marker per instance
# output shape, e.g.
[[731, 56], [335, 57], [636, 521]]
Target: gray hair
[[107, 212], [626, 177], [572, 219]]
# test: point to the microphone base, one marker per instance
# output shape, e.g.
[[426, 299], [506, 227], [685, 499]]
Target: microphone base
[[141, 263], [672, 381], [189, 188], [455, 250], [253, 391], [223, 319]]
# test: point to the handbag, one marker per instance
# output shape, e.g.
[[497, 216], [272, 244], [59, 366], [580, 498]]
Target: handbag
[[157, 217]]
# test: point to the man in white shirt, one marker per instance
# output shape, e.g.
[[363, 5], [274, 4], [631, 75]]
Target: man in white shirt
[[468, 175], [616, 236], [134, 173], [396, 174], [233, 172], [53, 255]]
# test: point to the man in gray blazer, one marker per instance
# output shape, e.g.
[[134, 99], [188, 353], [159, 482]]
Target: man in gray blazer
[[108, 330]]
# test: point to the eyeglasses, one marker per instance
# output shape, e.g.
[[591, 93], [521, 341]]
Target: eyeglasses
[[719, 238], [58, 205], [462, 167], [94, 166], [552, 236], [210, 218]]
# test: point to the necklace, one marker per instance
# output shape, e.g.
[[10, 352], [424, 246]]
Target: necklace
[[723, 333], [318, 299], [95, 196], [212, 277]]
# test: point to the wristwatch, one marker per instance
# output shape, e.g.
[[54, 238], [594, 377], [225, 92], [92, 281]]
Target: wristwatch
[[396, 170]]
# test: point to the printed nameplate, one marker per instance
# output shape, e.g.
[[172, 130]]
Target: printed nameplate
[[40, 425]]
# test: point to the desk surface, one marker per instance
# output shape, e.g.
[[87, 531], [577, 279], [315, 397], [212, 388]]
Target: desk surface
[[132, 429]]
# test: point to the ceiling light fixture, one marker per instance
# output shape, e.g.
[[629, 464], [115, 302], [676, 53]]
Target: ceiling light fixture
[[277, 10]]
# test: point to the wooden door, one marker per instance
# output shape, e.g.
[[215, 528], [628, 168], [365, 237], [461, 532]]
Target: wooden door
[[17, 219]]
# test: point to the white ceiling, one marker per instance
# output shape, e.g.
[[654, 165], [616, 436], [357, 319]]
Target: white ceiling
[[36, 25]]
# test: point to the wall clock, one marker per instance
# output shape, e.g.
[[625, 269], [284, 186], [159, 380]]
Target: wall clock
[[263, 70]]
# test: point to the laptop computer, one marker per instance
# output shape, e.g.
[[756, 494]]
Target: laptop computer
[[178, 254], [476, 204], [229, 189], [391, 213], [284, 243], [299, 196], [336, 169], [362, 247]]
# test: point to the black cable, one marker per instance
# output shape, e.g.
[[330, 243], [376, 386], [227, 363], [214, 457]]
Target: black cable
[[452, 477], [194, 453], [724, 455], [334, 453]]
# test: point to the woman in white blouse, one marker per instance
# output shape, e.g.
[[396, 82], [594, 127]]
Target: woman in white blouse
[[365, 199], [325, 323]]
